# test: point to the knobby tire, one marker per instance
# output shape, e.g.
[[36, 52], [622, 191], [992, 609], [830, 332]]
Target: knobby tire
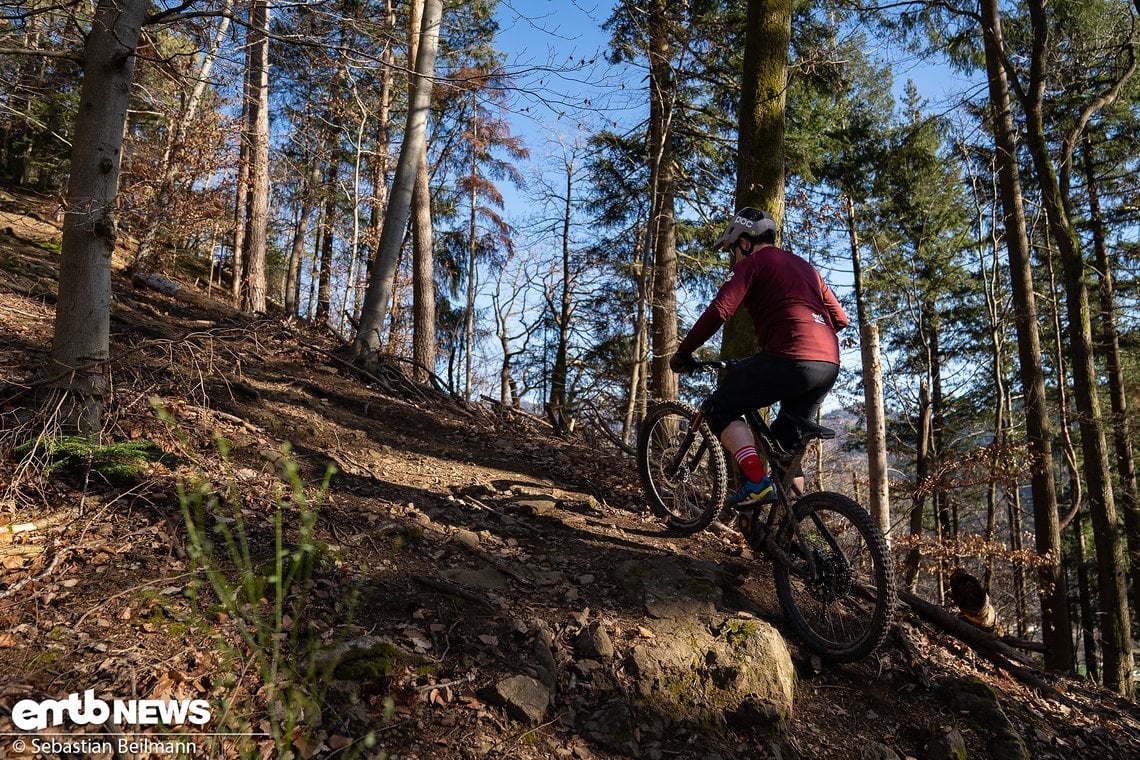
[[690, 499], [846, 614]]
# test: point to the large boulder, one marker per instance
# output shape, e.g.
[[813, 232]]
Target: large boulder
[[703, 665]]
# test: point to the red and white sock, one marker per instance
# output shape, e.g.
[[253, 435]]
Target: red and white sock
[[750, 464]]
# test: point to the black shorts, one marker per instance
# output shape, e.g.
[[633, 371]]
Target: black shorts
[[761, 380]]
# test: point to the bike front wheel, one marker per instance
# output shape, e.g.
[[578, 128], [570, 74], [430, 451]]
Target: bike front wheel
[[684, 476], [844, 608]]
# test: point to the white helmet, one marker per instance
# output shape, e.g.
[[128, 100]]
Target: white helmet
[[748, 221]]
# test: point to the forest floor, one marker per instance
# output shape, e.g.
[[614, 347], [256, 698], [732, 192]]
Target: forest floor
[[449, 532]]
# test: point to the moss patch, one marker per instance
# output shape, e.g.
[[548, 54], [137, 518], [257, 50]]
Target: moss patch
[[375, 664], [739, 632]]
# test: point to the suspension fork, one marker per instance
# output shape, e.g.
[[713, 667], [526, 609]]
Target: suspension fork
[[694, 425]]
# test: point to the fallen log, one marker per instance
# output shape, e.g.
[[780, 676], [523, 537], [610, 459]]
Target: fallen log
[[989, 646], [180, 292], [974, 601], [8, 532], [596, 420]]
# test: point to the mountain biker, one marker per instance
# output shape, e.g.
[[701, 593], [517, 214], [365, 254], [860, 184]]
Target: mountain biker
[[795, 316]]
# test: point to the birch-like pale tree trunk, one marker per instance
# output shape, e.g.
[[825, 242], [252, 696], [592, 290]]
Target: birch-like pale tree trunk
[[169, 167], [423, 258], [382, 277], [878, 486]]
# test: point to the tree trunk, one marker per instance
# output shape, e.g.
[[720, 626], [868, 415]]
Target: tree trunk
[[878, 485], [423, 275], [423, 259], [559, 374], [505, 383], [1050, 580], [1064, 418], [662, 93], [297, 249], [472, 245], [760, 140], [939, 495], [257, 221], [381, 159], [996, 330], [1110, 340], [635, 408], [81, 343], [324, 286], [358, 246], [1116, 635], [921, 471], [1084, 597], [241, 194], [382, 277]]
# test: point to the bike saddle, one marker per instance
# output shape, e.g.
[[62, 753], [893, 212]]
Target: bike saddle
[[791, 431]]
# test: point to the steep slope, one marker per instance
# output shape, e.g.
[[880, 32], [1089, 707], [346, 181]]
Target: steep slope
[[465, 585]]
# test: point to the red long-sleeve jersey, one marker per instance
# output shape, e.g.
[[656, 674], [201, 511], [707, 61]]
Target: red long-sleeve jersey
[[793, 311]]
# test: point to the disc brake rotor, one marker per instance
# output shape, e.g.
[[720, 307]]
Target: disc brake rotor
[[833, 577], [682, 473]]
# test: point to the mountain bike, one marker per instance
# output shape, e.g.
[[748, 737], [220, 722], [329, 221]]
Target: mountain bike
[[833, 573]]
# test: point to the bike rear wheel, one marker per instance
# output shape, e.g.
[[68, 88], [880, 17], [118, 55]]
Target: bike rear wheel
[[845, 612], [687, 487]]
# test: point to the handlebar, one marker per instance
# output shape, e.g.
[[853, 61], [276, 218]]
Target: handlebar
[[716, 364]]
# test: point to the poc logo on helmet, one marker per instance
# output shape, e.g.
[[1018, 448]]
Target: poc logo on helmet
[[743, 221]]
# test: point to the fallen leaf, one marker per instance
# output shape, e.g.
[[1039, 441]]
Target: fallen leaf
[[417, 637], [337, 742]]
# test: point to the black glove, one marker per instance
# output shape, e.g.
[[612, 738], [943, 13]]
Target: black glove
[[682, 361]]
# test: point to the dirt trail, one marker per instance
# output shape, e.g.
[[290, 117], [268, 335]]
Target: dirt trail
[[480, 547]]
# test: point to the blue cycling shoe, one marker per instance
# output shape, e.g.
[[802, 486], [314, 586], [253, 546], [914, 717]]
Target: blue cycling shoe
[[751, 493]]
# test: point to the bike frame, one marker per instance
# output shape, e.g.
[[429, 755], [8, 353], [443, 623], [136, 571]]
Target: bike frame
[[786, 495], [777, 533]]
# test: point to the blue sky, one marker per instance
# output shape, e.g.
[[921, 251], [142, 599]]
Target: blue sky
[[541, 37]]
